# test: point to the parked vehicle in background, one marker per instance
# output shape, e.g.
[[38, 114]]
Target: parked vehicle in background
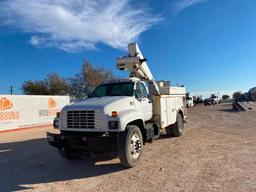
[[198, 99], [209, 101], [252, 93], [215, 98], [189, 100]]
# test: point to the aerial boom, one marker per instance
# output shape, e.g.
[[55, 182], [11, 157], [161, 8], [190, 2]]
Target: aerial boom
[[136, 64]]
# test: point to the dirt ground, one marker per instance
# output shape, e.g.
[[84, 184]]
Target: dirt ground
[[217, 152]]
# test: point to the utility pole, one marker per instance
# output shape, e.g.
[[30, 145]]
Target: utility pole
[[11, 90]]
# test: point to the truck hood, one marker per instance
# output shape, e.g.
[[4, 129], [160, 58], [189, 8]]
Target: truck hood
[[107, 104]]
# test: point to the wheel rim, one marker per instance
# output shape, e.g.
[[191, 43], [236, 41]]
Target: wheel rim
[[135, 146]]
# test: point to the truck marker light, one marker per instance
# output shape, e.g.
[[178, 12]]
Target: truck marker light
[[114, 114]]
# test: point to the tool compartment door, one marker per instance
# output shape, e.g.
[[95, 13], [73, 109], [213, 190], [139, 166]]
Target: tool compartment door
[[168, 110], [171, 103], [163, 112]]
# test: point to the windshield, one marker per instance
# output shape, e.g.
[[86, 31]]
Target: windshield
[[115, 89]]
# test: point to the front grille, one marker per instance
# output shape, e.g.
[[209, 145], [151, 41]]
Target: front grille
[[81, 119]]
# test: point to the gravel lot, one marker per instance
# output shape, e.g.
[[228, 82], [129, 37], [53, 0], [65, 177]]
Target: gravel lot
[[217, 152]]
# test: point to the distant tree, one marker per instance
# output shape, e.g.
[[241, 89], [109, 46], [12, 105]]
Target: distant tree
[[237, 94], [78, 86], [56, 85], [35, 88], [51, 85], [224, 97], [88, 78]]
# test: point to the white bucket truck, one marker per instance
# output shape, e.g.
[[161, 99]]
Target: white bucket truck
[[189, 100], [121, 115]]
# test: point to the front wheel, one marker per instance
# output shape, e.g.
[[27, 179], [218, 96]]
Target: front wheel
[[130, 145]]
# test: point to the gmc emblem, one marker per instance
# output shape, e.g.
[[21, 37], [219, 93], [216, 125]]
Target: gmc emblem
[[78, 119]]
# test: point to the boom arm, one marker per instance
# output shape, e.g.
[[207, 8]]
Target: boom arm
[[136, 64]]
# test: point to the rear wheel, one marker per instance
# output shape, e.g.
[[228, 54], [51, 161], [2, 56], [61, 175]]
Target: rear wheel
[[175, 130], [130, 146], [178, 126]]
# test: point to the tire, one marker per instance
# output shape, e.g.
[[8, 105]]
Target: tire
[[68, 154], [178, 127], [130, 144]]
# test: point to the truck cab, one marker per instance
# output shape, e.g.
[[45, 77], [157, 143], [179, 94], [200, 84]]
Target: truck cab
[[109, 108]]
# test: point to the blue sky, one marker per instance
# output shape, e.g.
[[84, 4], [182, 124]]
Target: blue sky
[[203, 44]]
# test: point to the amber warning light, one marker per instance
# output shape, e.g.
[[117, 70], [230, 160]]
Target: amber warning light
[[114, 113]]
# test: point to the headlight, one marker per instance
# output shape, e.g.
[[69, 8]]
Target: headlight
[[113, 125], [56, 123]]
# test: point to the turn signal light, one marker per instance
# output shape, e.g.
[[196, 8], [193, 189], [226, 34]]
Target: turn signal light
[[114, 113]]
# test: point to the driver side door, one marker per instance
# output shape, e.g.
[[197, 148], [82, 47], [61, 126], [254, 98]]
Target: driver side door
[[143, 103]]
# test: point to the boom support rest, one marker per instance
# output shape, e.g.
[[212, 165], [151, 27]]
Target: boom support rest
[[136, 64]]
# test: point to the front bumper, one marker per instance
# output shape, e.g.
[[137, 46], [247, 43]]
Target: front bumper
[[55, 140], [83, 142]]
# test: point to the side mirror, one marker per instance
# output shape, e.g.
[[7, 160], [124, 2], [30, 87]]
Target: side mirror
[[138, 94]]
